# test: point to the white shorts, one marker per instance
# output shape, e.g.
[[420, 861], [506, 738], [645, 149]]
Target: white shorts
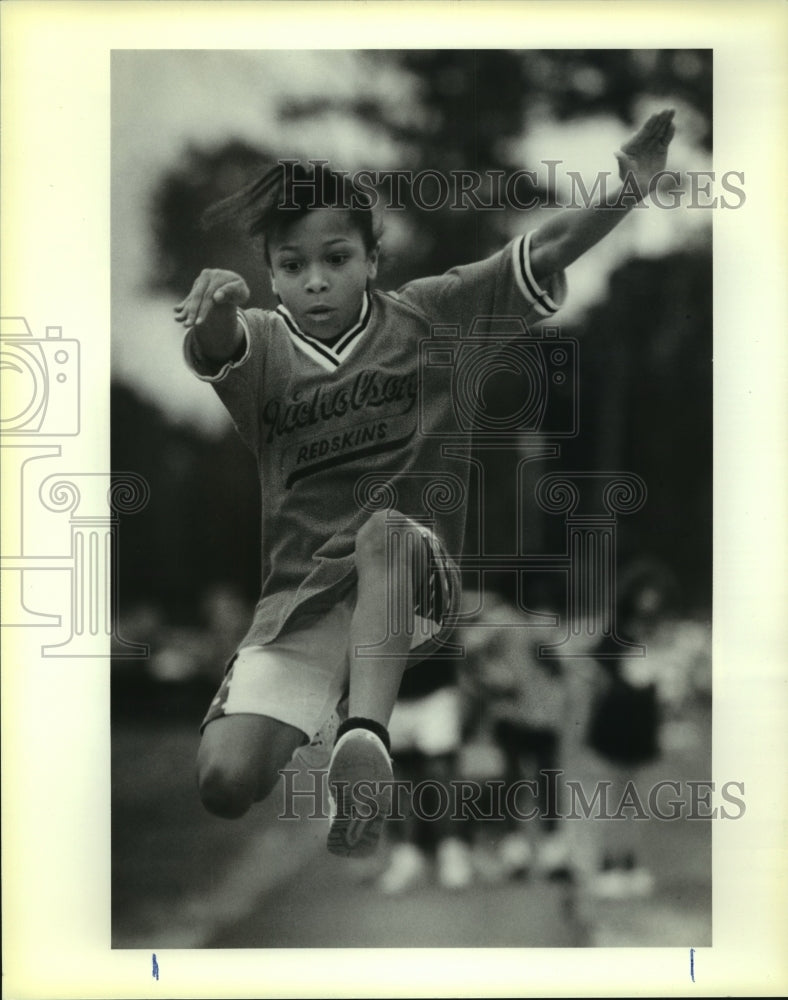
[[302, 675]]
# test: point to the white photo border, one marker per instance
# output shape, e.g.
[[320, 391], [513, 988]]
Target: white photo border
[[55, 271]]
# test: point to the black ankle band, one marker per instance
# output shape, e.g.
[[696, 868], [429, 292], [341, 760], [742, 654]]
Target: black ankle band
[[356, 722]]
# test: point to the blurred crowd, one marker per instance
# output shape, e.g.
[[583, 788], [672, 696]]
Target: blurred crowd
[[528, 704]]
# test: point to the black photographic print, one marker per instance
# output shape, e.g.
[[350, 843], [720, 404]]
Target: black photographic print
[[584, 443], [411, 560]]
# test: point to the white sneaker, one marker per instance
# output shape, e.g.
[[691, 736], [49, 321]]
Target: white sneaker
[[359, 768], [407, 868], [640, 882], [610, 884], [620, 883], [454, 865]]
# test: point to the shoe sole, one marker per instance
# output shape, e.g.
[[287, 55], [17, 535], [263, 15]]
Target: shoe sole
[[358, 757]]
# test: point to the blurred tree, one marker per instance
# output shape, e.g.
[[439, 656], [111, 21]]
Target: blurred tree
[[184, 247], [202, 525], [646, 395], [576, 83]]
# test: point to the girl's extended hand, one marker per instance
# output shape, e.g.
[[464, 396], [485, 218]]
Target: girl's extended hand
[[215, 295], [645, 154]]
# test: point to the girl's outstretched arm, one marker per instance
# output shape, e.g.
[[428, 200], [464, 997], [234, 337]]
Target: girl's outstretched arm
[[572, 232], [210, 309]]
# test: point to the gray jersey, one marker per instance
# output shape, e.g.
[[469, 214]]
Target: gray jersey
[[370, 423]]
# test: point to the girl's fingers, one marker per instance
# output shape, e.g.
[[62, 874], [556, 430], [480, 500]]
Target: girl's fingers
[[205, 307], [667, 128], [211, 288], [184, 308], [211, 296], [207, 302], [233, 292], [199, 300], [654, 127], [664, 121], [221, 293], [663, 139]]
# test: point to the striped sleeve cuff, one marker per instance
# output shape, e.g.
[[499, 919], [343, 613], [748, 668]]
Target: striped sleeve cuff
[[206, 370], [545, 303]]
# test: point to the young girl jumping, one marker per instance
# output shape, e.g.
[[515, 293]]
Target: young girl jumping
[[363, 506]]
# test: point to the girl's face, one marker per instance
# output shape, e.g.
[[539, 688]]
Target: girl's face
[[319, 269]]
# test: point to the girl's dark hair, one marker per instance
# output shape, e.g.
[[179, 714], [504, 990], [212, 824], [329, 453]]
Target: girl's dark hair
[[286, 192]]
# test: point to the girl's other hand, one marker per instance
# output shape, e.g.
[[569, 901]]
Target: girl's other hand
[[215, 295]]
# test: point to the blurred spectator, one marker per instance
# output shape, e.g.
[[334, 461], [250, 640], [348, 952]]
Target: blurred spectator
[[184, 661], [526, 701], [141, 623], [514, 705], [628, 698], [426, 734]]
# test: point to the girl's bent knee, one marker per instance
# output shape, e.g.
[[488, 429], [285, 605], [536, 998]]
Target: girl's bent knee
[[228, 793], [224, 794], [372, 537]]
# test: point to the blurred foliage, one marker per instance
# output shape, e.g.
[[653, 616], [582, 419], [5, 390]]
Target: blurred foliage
[[645, 375], [581, 82], [184, 245], [202, 526], [471, 105]]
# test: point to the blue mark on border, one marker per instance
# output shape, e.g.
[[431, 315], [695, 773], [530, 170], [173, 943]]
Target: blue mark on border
[[692, 964], [155, 968]]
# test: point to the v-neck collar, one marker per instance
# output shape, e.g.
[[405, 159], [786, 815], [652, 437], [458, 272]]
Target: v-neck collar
[[329, 358]]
